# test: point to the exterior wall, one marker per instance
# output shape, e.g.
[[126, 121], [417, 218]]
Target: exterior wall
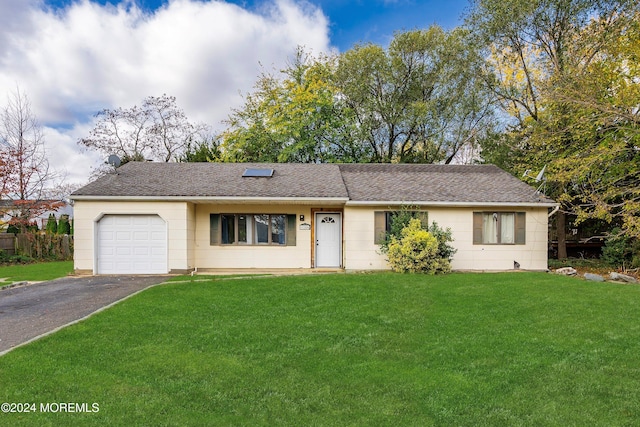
[[189, 246], [360, 251], [251, 256], [362, 254], [88, 213], [191, 236]]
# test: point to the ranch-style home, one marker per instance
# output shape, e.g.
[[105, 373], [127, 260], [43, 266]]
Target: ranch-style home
[[158, 218]]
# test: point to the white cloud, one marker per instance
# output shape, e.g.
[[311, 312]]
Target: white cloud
[[76, 61]]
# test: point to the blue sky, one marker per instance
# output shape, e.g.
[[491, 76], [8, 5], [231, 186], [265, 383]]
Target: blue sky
[[74, 58], [356, 21]]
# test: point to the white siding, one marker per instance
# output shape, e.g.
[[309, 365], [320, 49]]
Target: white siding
[[88, 213], [251, 256], [362, 254]]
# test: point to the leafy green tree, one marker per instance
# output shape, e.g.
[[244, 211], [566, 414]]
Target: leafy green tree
[[547, 68], [64, 227], [52, 224], [203, 151], [417, 101], [293, 117]]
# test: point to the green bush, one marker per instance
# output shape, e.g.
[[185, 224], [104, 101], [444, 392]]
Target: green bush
[[445, 249], [52, 224], [20, 259], [63, 225], [417, 251], [620, 250]]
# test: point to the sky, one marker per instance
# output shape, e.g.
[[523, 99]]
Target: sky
[[73, 58]]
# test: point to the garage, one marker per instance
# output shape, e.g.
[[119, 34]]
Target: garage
[[132, 244]]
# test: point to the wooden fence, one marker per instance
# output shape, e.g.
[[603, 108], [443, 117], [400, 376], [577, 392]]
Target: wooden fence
[[8, 244], [44, 246]]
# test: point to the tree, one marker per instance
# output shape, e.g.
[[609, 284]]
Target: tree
[[157, 130], [417, 101], [296, 116], [542, 53], [596, 106], [24, 168], [202, 151], [64, 227], [52, 224]]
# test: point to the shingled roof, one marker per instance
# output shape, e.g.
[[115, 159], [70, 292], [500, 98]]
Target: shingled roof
[[460, 184], [352, 183]]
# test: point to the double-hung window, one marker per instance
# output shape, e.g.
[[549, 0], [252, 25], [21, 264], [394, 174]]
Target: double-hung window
[[252, 229], [499, 228]]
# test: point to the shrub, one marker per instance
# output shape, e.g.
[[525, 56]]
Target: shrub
[[620, 250], [52, 224], [21, 259], [445, 249], [63, 225], [417, 251]]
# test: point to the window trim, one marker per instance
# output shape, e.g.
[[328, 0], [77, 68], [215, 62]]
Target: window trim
[[215, 230], [519, 225]]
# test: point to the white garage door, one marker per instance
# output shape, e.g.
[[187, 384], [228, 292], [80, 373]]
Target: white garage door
[[132, 244]]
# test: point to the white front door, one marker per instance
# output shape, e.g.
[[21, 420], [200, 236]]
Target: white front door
[[328, 239]]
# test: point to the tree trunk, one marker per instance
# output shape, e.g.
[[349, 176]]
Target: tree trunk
[[561, 229]]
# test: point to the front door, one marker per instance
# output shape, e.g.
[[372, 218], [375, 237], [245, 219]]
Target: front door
[[328, 239]]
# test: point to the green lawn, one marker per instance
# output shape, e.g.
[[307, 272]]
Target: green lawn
[[35, 272], [366, 350]]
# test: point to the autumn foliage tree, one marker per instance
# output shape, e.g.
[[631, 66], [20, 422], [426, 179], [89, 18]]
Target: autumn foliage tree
[[564, 74], [25, 176]]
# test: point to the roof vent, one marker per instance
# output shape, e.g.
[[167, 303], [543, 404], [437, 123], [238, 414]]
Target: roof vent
[[258, 173]]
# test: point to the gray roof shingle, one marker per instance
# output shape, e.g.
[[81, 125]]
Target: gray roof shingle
[[357, 182], [436, 183], [146, 179]]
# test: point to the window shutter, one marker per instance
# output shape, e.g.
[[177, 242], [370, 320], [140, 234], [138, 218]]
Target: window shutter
[[423, 216], [291, 230], [477, 228], [214, 229], [521, 229], [379, 227]]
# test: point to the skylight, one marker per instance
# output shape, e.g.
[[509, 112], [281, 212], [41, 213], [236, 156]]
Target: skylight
[[260, 173]]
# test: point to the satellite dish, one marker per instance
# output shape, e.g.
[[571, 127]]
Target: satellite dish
[[114, 160], [541, 174]]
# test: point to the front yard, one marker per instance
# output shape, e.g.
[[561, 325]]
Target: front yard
[[34, 272], [375, 349]]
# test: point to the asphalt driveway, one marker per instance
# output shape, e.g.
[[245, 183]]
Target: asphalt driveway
[[30, 311]]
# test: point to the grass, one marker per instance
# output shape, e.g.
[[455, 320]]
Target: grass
[[35, 272], [513, 349]]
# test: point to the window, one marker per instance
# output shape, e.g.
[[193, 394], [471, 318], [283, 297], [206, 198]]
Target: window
[[499, 228], [383, 220], [252, 229]]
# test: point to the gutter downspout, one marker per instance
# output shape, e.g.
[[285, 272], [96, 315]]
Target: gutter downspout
[[556, 209]]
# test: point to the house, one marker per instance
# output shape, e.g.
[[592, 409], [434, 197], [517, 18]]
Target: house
[[10, 209], [157, 218]]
